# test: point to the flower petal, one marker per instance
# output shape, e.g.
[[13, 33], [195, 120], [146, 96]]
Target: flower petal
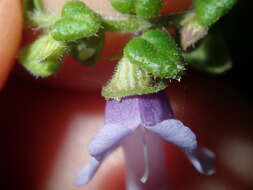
[[85, 174], [107, 139], [203, 160], [175, 132]]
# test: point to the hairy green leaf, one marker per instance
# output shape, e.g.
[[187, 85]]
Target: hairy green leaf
[[157, 53]]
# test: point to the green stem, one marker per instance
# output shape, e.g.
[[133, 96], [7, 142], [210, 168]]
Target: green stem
[[126, 24], [38, 5]]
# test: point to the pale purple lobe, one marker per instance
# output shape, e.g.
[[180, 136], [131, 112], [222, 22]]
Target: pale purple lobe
[[203, 160], [86, 174], [173, 131], [107, 139], [133, 111]]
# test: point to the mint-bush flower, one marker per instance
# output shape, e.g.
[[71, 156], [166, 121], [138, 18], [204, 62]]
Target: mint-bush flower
[[138, 118]]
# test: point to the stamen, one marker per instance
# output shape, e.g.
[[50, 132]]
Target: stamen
[[145, 176]]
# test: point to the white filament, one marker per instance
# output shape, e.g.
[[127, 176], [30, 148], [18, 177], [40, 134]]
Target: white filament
[[145, 176]]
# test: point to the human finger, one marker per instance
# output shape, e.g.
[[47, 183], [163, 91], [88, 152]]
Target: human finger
[[11, 30]]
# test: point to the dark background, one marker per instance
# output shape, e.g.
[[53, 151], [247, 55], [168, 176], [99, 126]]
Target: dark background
[[238, 34]]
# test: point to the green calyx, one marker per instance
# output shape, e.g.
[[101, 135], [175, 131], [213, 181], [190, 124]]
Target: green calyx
[[144, 8], [210, 11], [156, 52], [43, 57], [77, 22], [129, 23], [129, 79]]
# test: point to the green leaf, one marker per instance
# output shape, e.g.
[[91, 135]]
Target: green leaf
[[77, 22], [148, 8], [123, 6], [144, 8], [211, 55], [210, 11], [157, 53]]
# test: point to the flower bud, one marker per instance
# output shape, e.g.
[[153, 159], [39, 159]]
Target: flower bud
[[191, 33], [157, 53], [43, 57]]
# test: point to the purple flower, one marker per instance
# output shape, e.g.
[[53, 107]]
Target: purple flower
[[139, 123]]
